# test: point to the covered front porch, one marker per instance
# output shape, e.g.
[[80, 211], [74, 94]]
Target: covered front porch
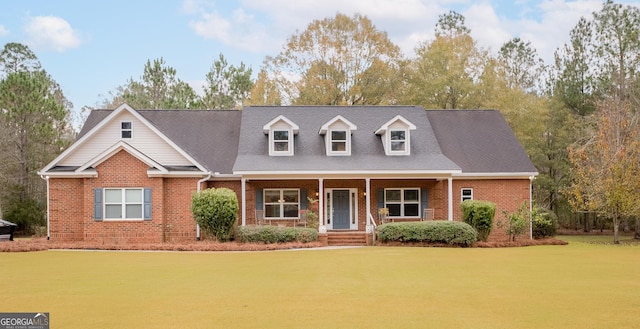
[[345, 204]]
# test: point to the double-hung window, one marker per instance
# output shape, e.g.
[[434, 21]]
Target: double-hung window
[[123, 203], [402, 202], [126, 129], [398, 140], [339, 141], [466, 194], [281, 203], [281, 142]]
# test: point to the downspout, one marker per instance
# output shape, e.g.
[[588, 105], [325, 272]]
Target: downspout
[[450, 197], [198, 189], [46, 178], [531, 207]]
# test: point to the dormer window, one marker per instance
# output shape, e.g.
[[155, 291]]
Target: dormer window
[[281, 133], [338, 141], [395, 135], [126, 129], [337, 132], [281, 141], [398, 140]]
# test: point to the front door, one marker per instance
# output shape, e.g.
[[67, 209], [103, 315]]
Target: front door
[[341, 210]]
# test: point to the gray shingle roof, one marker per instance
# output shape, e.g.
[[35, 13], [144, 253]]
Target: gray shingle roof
[[479, 141], [210, 137], [367, 151], [474, 141]]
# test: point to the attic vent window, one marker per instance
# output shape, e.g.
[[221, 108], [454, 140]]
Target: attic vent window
[[126, 129], [281, 141]]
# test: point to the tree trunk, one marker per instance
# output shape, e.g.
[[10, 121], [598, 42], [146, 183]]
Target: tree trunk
[[587, 227], [616, 228], [625, 227], [637, 229]]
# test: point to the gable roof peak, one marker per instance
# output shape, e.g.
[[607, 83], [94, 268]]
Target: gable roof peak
[[267, 127], [325, 127], [395, 119]]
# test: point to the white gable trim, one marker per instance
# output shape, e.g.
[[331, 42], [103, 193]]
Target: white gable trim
[[108, 119], [385, 126], [117, 147], [325, 127], [267, 127]]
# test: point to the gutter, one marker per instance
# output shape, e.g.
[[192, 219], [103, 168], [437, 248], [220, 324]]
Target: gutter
[[198, 189]]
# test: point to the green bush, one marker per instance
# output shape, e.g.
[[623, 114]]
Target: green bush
[[479, 214], [27, 213], [545, 223], [452, 233], [275, 234], [216, 211], [516, 222]]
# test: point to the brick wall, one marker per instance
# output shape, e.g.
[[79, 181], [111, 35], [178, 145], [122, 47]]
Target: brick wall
[[71, 206], [66, 205]]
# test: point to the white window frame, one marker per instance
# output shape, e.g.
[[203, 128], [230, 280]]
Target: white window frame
[[402, 201], [123, 204], [464, 197], [272, 142], [124, 130], [281, 123], [405, 142], [346, 141], [281, 203], [398, 123]]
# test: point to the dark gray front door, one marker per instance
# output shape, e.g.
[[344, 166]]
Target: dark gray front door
[[341, 213]]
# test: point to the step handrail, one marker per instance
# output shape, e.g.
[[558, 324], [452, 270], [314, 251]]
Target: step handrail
[[375, 226]]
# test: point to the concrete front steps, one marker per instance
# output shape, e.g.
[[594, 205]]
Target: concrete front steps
[[346, 238]]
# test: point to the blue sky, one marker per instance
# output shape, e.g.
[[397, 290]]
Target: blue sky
[[91, 47]]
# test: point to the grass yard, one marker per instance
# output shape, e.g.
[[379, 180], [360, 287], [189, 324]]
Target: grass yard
[[581, 285]]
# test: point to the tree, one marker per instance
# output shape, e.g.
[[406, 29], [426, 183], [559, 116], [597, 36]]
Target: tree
[[447, 70], [159, 88], [606, 166], [34, 122], [264, 91], [520, 65], [617, 34], [16, 57], [228, 86], [337, 61]]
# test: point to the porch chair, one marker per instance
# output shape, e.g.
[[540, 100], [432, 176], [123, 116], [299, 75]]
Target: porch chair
[[427, 214], [303, 219]]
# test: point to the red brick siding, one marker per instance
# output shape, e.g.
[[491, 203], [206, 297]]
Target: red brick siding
[[71, 205], [66, 204]]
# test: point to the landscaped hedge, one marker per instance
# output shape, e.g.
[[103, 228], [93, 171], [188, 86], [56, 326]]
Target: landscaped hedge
[[479, 214], [275, 234], [545, 223], [453, 233]]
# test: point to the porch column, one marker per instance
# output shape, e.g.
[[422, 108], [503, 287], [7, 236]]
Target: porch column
[[322, 228], [450, 197], [243, 187], [367, 199]]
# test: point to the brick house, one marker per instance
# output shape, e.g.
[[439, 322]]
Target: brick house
[[130, 175]]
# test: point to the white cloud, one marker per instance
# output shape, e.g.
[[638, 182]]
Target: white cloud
[[3, 31], [240, 29], [50, 32]]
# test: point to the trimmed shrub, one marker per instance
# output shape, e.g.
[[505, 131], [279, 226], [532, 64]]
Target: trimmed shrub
[[452, 233], [545, 223], [516, 222], [479, 214], [275, 234], [216, 211]]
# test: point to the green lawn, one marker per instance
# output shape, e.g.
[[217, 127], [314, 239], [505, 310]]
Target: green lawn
[[581, 285]]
